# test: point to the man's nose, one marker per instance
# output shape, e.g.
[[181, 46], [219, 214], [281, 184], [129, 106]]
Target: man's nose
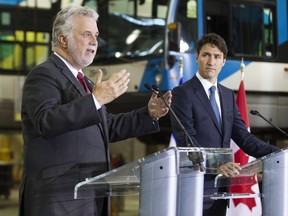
[[211, 60], [93, 40]]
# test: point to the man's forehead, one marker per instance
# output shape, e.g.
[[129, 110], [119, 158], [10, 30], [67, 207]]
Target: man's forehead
[[211, 49], [85, 24]]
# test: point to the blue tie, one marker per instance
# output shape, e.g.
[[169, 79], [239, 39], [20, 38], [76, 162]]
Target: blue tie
[[214, 104]]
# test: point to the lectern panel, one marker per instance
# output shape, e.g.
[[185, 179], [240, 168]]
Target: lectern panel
[[125, 180]]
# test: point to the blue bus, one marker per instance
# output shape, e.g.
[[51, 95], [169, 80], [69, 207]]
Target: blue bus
[[155, 40]]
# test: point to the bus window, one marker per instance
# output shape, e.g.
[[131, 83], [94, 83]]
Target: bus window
[[130, 28], [269, 48], [252, 28], [187, 19], [247, 21], [24, 37], [246, 27], [217, 18]]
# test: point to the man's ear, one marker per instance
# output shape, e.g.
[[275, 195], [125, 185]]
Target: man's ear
[[63, 41]]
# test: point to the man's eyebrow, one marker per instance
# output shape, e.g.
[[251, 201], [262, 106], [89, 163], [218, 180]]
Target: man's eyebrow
[[207, 53]]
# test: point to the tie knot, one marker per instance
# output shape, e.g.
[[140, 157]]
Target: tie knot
[[212, 89], [80, 76]]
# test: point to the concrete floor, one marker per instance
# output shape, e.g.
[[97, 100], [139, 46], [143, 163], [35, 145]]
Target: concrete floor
[[127, 207], [9, 207]]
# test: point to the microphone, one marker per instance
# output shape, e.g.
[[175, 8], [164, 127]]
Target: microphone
[[196, 157], [155, 89], [255, 112]]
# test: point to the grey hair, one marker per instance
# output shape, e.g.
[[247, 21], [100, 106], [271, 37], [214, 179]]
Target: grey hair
[[63, 21]]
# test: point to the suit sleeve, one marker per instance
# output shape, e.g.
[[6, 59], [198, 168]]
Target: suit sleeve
[[248, 142], [182, 106], [131, 124]]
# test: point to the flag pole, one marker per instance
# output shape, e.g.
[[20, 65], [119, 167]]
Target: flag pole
[[181, 66], [180, 70], [242, 66]]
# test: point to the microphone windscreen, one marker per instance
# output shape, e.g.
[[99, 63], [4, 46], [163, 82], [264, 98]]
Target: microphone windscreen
[[148, 86], [155, 87], [254, 112]]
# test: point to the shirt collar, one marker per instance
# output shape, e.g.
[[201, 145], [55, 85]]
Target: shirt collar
[[206, 84], [70, 67]]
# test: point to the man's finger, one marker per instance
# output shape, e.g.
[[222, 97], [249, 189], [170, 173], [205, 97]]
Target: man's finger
[[153, 96], [120, 75], [124, 81], [98, 78]]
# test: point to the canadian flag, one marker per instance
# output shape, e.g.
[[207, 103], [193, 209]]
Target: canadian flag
[[244, 206]]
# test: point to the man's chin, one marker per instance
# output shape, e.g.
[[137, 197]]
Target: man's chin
[[87, 63]]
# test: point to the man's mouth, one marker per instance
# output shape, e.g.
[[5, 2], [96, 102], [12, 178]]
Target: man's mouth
[[91, 51], [210, 68]]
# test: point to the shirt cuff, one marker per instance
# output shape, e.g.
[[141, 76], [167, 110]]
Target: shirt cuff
[[97, 105]]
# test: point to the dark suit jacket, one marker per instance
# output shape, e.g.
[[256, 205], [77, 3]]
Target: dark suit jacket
[[191, 104], [66, 139]]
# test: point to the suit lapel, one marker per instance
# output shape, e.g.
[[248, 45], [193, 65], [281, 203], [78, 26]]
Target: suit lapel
[[68, 74], [72, 79], [202, 96], [225, 103], [89, 83]]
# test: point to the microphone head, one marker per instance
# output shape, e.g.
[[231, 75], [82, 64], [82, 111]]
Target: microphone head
[[155, 87], [148, 86], [254, 112]]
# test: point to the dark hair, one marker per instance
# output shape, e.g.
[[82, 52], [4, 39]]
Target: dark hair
[[215, 40]]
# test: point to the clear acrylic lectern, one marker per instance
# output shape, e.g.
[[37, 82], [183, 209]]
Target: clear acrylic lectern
[[168, 182], [274, 168]]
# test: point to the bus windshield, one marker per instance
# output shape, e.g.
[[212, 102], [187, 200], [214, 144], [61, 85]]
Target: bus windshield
[[137, 28], [129, 29], [247, 27]]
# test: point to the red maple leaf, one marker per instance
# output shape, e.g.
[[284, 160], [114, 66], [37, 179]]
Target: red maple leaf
[[243, 188]]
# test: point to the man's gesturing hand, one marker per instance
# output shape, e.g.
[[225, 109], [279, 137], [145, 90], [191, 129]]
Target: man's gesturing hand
[[108, 90], [156, 106]]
